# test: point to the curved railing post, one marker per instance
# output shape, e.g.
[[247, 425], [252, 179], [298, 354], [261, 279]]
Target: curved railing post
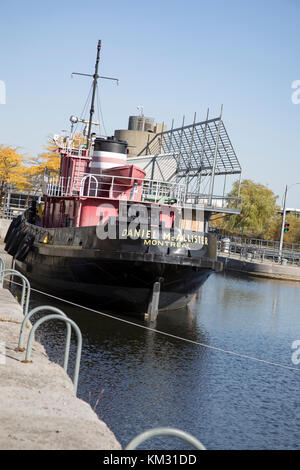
[[164, 432], [79, 342], [11, 272], [52, 309], [82, 183], [25, 298]]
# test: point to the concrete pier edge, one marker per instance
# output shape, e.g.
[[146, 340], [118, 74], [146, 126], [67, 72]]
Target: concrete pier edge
[[38, 408], [268, 270]]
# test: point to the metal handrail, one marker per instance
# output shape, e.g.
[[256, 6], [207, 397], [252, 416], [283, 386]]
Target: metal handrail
[[25, 283], [164, 431], [52, 309], [82, 184], [79, 342], [74, 147], [293, 247], [201, 197], [57, 186], [257, 252]]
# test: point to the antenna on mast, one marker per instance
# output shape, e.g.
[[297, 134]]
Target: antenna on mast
[[95, 79]]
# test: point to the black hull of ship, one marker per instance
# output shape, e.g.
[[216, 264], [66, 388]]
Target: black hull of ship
[[112, 285], [113, 275]]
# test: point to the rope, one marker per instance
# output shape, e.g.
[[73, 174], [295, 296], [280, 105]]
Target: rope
[[170, 335]]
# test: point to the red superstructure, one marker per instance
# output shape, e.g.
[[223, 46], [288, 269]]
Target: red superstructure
[[86, 189]]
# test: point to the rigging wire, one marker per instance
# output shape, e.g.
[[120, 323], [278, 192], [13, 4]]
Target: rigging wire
[[170, 335], [86, 103], [100, 109], [84, 110]]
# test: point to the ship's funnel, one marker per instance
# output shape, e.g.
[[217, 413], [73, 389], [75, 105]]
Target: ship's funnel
[[108, 153]]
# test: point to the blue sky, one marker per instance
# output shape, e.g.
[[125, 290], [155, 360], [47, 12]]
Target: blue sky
[[172, 57]]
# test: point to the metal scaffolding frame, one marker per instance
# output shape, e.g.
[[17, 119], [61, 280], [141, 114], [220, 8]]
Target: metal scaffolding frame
[[192, 154]]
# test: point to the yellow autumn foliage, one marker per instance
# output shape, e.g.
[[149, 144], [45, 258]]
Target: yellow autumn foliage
[[50, 158], [12, 170], [26, 173]]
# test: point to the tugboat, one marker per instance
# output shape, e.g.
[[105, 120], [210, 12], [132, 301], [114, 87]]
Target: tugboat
[[108, 234]]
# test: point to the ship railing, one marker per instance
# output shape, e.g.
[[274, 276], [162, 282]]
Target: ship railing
[[80, 152], [57, 186], [134, 189], [69, 143], [131, 188], [89, 185], [72, 147], [157, 190], [216, 201], [258, 250]]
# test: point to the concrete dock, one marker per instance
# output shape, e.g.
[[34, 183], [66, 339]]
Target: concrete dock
[[267, 269], [38, 406]]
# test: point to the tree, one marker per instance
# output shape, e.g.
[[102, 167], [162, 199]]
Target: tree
[[26, 173], [258, 209], [274, 229], [50, 158], [294, 231], [292, 236], [12, 171]]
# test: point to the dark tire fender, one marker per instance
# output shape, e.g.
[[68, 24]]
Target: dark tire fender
[[25, 247], [13, 225], [15, 243]]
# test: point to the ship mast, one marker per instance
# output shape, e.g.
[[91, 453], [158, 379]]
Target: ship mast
[[92, 109], [95, 79]]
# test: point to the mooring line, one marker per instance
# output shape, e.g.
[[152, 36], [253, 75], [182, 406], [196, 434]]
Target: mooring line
[[208, 346]]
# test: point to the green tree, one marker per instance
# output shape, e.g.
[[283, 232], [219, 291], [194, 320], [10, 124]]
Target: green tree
[[294, 231], [293, 235], [274, 228], [258, 210]]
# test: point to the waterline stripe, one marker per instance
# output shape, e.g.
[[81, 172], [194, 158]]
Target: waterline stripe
[[170, 335]]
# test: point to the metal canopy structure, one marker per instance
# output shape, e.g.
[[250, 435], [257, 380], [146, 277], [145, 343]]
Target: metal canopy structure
[[194, 147], [195, 155]]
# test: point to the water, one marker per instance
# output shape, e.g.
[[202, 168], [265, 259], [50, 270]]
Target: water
[[138, 379]]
